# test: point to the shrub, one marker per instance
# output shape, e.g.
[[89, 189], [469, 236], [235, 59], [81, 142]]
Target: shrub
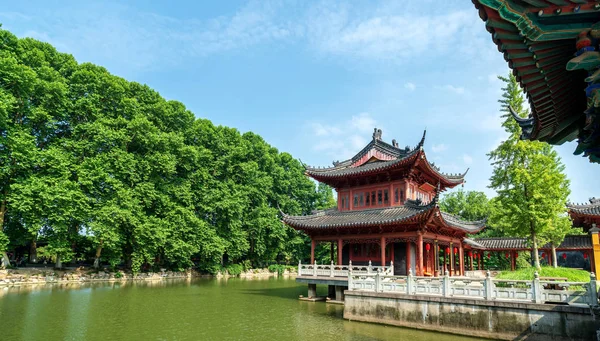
[[118, 274], [234, 269]]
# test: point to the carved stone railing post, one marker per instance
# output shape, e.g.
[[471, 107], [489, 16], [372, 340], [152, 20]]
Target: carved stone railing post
[[537, 288], [369, 268], [378, 281], [489, 286], [593, 290], [391, 270], [299, 267], [446, 284], [315, 269], [350, 277], [409, 283], [349, 265], [331, 270]]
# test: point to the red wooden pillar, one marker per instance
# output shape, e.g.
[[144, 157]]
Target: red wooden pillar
[[512, 260], [312, 251], [461, 259], [339, 251], [451, 265], [420, 255], [408, 258], [383, 250], [471, 260], [436, 259]]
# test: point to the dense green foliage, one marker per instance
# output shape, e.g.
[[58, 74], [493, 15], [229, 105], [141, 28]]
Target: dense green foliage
[[94, 166], [469, 205], [530, 181], [527, 274]]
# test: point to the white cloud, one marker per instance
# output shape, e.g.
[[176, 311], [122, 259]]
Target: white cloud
[[459, 90], [467, 159], [410, 86], [400, 33], [325, 130], [343, 139], [142, 40], [438, 148], [363, 122]]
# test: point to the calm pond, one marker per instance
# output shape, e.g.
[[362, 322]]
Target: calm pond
[[197, 309]]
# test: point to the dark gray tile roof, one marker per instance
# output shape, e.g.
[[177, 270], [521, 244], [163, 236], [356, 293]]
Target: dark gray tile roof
[[593, 208], [333, 218], [344, 168], [469, 226], [503, 243], [339, 171]]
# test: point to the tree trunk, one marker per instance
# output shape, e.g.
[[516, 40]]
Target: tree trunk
[[98, 252], [33, 252], [554, 262], [536, 257], [4, 261], [58, 264]]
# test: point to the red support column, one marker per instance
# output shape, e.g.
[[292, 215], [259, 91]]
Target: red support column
[[436, 259], [461, 259], [451, 265], [383, 251], [340, 246], [420, 254], [408, 258], [512, 260], [471, 261], [312, 251]]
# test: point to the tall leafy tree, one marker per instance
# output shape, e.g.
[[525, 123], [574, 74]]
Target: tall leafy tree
[[529, 179], [96, 167]]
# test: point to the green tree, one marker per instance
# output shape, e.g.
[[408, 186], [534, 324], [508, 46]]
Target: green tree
[[97, 167], [469, 205], [529, 179], [325, 197]]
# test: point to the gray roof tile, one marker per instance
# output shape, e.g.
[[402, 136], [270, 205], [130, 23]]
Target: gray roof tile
[[593, 208]]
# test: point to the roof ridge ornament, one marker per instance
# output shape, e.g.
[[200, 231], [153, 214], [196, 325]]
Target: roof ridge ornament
[[526, 123], [422, 142], [377, 134]]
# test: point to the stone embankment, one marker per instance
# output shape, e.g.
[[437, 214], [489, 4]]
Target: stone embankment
[[33, 276]]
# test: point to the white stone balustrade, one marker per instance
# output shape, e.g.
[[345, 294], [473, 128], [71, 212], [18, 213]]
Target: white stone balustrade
[[332, 270], [535, 291]]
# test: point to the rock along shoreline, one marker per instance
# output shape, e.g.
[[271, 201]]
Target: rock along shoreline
[[38, 276]]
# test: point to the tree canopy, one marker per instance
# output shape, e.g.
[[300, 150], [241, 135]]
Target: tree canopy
[[530, 181], [94, 166]]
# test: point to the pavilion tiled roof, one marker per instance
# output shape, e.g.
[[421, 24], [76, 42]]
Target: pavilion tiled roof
[[399, 156], [333, 218], [339, 171], [593, 208], [510, 243]]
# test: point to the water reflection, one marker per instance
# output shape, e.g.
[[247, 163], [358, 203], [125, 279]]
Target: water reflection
[[187, 309]]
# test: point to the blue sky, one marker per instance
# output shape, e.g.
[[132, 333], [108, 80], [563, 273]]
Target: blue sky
[[313, 78]]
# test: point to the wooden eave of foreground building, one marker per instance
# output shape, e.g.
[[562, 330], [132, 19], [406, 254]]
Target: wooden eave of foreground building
[[540, 40]]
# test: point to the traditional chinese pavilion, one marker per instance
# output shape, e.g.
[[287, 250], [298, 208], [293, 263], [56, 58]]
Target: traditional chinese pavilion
[[587, 216], [552, 48], [388, 211]]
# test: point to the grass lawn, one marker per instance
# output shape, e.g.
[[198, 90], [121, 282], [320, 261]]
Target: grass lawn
[[573, 275]]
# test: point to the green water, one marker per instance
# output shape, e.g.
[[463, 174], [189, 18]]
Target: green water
[[198, 309]]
